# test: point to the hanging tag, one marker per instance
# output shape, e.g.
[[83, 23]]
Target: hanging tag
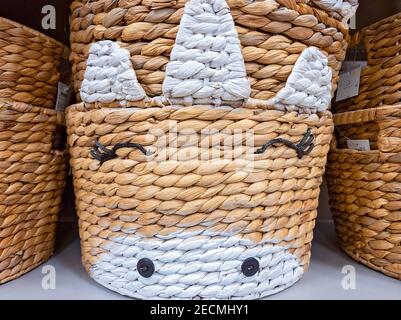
[[359, 145], [64, 92], [348, 85], [351, 65]]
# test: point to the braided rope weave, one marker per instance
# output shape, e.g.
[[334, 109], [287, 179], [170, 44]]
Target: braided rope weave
[[32, 178], [364, 189], [196, 265], [206, 68], [202, 192], [196, 218], [110, 76], [206, 60], [340, 9], [111, 81], [29, 64], [273, 34]]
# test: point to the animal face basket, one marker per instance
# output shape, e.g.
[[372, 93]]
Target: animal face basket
[[381, 78], [32, 176], [184, 227], [203, 192], [29, 64], [364, 188], [273, 34]]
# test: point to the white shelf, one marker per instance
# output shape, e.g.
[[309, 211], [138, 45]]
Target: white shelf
[[323, 280]]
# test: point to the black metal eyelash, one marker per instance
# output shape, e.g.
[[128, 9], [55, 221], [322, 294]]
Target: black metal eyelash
[[304, 147], [101, 153]]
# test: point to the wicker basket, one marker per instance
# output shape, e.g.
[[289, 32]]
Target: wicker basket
[[199, 221], [203, 192], [273, 34], [381, 79], [32, 177], [29, 64], [364, 188]]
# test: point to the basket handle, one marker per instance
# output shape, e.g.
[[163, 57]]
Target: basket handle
[[388, 119]]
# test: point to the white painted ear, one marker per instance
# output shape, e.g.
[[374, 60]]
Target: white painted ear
[[206, 66], [109, 75], [344, 8], [308, 88]]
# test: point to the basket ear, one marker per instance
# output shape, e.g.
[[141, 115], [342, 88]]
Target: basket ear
[[109, 75], [207, 66], [344, 9], [309, 86]]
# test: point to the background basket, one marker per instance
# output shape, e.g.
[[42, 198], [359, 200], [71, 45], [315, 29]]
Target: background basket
[[381, 79], [261, 205], [273, 34], [364, 188], [29, 62], [32, 177]]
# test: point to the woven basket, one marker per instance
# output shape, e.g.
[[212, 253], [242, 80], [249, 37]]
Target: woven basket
[[273, 34], [29, 64], [201, 222], [381, 79], [32, 177], [364, 188], [202, 192]]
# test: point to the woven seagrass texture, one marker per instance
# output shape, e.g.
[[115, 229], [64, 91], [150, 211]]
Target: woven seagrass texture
[[178, 188], [29, 64], [381, 79], [342, 10], [364, 189], [273, 35], [32, 178]]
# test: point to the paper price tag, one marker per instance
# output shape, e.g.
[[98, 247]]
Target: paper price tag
[[64, 92], [348, 85], [359, 145], [351, 65]]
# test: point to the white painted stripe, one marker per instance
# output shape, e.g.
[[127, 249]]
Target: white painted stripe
[[189, 266]]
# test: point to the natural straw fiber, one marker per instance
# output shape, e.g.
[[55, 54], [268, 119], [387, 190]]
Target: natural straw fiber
[[29, 64], [32, 177], [381, 79], [342, 10], [364, 188], [167, 204], [202, 192], [273, 34]]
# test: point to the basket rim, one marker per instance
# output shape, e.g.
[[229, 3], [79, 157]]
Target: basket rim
[[361, 116], [382, 21], [296, 5], [319, 13], [255, 109], [10, 104], [358, 37], [36, 33]]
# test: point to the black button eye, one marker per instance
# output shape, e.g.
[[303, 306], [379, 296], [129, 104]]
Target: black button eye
[[250, 267], [145, 267]]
